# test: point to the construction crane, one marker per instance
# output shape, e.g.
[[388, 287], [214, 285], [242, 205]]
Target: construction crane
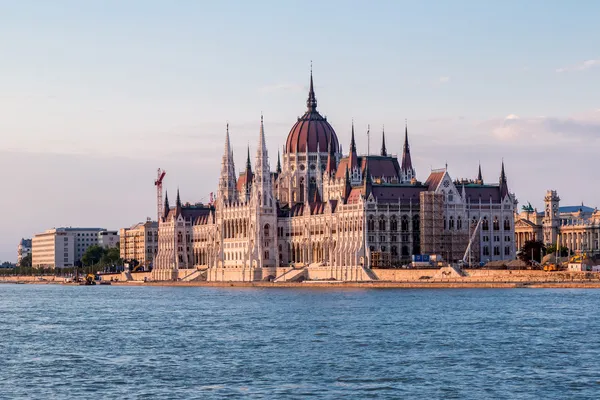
[[160, 175], [466, 260]]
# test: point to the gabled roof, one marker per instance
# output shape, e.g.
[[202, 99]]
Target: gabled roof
[[434, 179]]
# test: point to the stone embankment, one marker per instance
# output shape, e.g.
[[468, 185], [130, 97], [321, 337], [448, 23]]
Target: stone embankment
[[384, 278]]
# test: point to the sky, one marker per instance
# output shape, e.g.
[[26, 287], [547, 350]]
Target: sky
[[96, 95]]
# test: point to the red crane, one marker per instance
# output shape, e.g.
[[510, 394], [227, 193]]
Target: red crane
[[159, 199]]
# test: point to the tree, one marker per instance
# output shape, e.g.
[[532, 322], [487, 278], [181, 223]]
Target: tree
[[26, 261], [551, 249], [93, 255], [531, 248]]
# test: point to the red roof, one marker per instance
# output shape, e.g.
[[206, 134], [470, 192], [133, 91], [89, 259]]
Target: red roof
[[379, 167], [309, 131], [434, 179], [244, 180]]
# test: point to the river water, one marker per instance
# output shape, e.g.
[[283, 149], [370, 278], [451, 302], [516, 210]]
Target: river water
[[59, 342]]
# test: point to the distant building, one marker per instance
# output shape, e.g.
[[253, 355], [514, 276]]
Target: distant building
[[140, 242], [575, 227], [63, 247], [23, 250]]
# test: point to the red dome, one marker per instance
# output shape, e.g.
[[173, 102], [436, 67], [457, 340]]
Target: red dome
[[311, 130]]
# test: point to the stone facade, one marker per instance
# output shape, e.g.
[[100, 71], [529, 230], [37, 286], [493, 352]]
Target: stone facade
[[574, 227], [322, 209], [140, 242]]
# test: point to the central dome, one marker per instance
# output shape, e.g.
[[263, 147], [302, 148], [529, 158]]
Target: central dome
[[311, 131]]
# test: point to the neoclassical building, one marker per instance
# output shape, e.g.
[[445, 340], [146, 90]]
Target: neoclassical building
[[338, 213], [574, 227]]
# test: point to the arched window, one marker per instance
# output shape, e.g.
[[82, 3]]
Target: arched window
[[371, 223], [266, 230], [394, 224], [496, 224], [506, 224], [382, 223], [485, 225], [404, 223], [451, 223], [394, 250], [459, 223]]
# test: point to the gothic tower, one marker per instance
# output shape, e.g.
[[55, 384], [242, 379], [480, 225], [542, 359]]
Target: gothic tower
[[551, 221], [227, 181], [407, 172]]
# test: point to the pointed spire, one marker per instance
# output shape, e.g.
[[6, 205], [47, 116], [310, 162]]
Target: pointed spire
[[311, 103], [383, 149], [331, 167], [278, 170], [167, 206], [347, 185], [248, 163], [479, 175], [368, 183], [352, 142], [406, 167], [178, 202], [503, 182]]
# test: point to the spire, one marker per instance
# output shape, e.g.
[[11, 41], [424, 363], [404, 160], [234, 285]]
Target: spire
[[248, 163], [368, 183], [278, 170], [167, 207], [503, 183], [383, 149], [406, 168], [479, 175], [311, 103], [227, 186], [352, 142], [347, 185], [331, 167], [353, 155], [178, 202]]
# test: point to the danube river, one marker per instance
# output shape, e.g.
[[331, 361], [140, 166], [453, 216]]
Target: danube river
[[103, 342]]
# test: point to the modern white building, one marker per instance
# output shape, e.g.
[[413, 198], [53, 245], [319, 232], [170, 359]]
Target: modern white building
[[63, 247]]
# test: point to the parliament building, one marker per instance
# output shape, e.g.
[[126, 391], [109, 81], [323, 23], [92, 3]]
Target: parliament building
[[323, 214]]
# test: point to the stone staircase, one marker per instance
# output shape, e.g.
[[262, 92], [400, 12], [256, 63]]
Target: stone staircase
[[292, 275], [198, 275], [369, 272]]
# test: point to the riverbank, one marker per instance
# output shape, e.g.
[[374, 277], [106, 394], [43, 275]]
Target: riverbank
[[449, 284]]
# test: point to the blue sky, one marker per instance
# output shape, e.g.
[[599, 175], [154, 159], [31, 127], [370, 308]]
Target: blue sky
[[95, 95]]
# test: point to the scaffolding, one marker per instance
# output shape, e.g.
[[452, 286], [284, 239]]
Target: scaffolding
[[437, 237]]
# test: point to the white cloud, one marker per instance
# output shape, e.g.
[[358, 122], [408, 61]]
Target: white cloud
[[444, 79], [581, 66]]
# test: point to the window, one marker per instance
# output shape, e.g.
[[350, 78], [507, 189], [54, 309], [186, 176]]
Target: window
[[382, 223], [394, 224], [266, 255], [496, 238], [404, 223], [496, 250], [383, 249], [459, 223], [486, 238], [486, 251], [266, 230], [506, 224], [382, 238], [496, 224], [507, 238], [371, 223], [451, 223], [507, 250], [485, 224]]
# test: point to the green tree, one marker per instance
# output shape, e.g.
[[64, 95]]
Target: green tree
[[551, 249], [532, 249], [26, 261], [93, 255], [111, 256]]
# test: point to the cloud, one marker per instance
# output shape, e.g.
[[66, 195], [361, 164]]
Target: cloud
[[282, 87], [444, 79], [581, 66]]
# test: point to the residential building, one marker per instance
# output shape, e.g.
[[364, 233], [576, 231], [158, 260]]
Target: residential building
[[140, 242]]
